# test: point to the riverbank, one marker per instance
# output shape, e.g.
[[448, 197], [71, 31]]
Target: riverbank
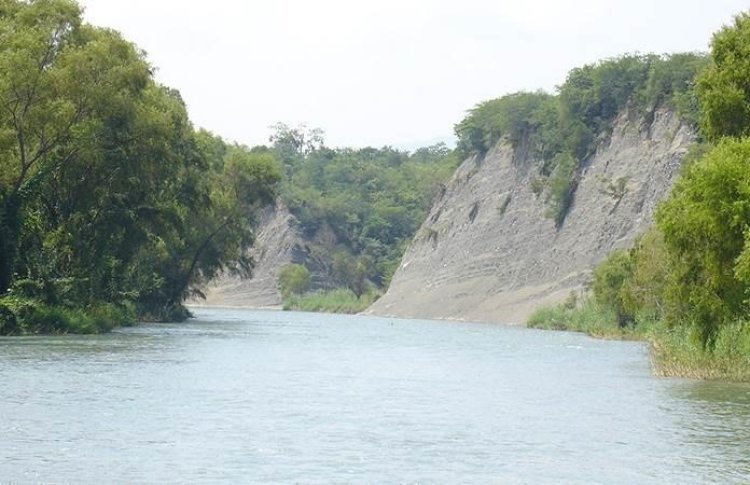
[[340, 300], [24, 316], [676, 351]]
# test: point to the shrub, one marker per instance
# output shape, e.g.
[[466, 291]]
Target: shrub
[[294, 279], [588, 317], [609, 285]]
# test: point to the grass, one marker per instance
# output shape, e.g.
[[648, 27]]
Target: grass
[[588, 317], [340, 300], [24, 316], [676, 351]]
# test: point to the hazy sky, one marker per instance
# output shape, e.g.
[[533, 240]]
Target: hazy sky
[[385, 72]]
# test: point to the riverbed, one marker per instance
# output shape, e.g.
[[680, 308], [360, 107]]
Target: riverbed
[[237, 396]]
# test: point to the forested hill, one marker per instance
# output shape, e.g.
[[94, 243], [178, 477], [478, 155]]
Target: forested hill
[[343, 220], [357, 208], [112, 206]]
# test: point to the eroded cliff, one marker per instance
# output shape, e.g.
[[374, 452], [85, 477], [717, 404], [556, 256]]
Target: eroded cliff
[[487, 251], [277, 243]]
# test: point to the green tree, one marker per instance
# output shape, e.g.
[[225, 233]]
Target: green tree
[[724, 88], [610, 284], [211, 232], [704, 222], [61, 80], [107, 194], [294, 279]]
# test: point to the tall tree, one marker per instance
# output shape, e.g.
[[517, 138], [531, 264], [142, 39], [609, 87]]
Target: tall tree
[[61, 80]]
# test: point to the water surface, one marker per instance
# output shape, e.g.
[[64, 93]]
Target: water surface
[[245, 397]]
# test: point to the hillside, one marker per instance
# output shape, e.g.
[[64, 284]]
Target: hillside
[[488, 251], [276, 244]]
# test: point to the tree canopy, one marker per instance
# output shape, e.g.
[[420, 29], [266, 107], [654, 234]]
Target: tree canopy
[[724, 88], [107, 193]]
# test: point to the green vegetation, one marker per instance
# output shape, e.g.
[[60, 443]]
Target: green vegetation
[[724, 88], [340, 300], [112, 207], [561, 131], [20, 316], [586, 316], [676, 351], [685, 285], [357, 209], [294, 279]]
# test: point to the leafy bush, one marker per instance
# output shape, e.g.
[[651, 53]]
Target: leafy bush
[[562, 186], [588, 317], [20, 315], [293, 280], [610, 285], [704, 223]]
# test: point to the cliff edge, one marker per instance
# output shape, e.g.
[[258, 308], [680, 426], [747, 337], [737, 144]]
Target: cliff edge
[[487, 251]]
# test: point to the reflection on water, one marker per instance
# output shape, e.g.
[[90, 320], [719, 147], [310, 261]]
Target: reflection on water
[[242, 397]]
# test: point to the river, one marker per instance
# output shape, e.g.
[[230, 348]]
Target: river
[[272, 397]]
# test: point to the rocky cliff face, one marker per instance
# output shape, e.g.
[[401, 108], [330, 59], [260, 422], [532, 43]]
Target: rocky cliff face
[[487, 252], [277, 243]]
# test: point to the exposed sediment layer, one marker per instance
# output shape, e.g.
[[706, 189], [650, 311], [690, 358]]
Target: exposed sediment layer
[[487, 251]]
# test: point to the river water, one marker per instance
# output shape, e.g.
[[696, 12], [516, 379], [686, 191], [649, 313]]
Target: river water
[[271, 397]]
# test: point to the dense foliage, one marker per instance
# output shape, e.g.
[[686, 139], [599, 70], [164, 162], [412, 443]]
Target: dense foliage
[[561, 131], [724, 88], [110, 202], [358, 208]]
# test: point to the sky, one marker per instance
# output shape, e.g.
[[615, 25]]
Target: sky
[[385, 72]]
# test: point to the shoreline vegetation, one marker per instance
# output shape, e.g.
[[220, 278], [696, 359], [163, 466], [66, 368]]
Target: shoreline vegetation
[[340, 300], [674, 351]]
